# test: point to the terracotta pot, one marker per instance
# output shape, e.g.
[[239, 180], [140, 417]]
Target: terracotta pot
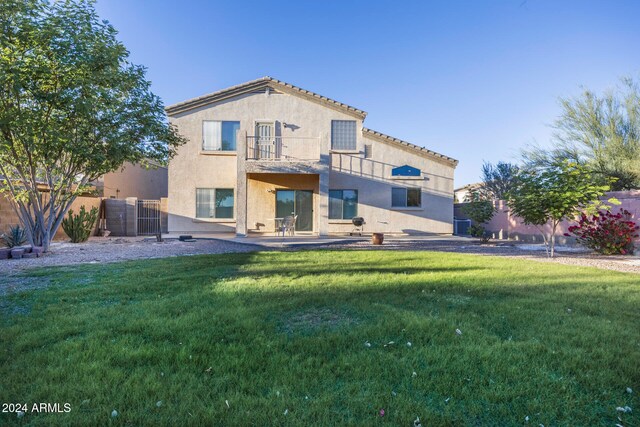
[[377, 238], [16, 253]]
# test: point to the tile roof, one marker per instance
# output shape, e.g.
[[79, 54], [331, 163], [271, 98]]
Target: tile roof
[[396, 141], [255, 85], [284, 87]]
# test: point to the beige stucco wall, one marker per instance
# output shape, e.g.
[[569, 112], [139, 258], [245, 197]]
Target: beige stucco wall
[[191, 169], [134, 180], [372, 178]]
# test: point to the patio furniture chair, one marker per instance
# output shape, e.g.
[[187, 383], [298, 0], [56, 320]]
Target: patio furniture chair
[[289, 225]]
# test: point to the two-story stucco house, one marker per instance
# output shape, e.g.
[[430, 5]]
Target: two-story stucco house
[[266, 149]]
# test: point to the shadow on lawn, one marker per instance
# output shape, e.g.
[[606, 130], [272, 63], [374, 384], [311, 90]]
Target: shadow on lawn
[[297, 312], [261, 276]]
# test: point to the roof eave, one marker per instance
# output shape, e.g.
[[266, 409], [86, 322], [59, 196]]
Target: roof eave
[[425, 152], [253, 85]]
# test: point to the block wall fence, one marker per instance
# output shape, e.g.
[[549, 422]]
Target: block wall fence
[[121, 215], [503, 225]]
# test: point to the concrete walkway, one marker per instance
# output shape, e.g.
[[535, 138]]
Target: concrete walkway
[[310, 240]]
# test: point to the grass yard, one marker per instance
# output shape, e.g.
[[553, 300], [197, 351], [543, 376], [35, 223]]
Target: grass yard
[[322, 338]]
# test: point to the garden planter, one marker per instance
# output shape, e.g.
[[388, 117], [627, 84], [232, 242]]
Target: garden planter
[[38, 250], [4, 253], [16, 253], [377, 238]]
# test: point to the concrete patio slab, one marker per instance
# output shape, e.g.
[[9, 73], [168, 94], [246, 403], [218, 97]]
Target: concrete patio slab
[[272, 241]]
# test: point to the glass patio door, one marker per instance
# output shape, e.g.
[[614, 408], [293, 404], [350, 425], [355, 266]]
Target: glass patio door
[[296, 202]]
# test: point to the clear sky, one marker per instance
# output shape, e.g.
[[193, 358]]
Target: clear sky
[[475, 80]]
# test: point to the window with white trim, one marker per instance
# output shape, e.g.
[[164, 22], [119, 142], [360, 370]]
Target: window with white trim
[[406, 198], [343, 204], [219, 135], [214, 202]]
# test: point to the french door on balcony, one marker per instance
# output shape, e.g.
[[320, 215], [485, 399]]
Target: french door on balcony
[[265, 141], [296, 202]]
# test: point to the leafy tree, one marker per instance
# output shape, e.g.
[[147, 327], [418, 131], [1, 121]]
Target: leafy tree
[[497, 180], [601, 132], [72, 108], [547, 196]]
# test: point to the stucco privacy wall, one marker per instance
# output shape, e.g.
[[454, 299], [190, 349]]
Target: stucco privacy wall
[[505, 226], [191, 168], [9, 218], [134, 180]]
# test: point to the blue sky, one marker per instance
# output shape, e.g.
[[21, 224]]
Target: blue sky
[[475, 80]]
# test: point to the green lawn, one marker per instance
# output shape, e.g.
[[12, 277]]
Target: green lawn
[[282, 337]]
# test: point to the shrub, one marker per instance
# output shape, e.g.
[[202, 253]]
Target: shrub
[[606, 232], [477, 208], [17, 236], [479, 231], [480, 210], [78, 227]]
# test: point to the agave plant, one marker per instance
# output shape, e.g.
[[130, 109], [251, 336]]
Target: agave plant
[[15, 237]]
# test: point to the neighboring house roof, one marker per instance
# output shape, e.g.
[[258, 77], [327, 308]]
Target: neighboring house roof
[[398, 142], [256, 85], [470, 187]]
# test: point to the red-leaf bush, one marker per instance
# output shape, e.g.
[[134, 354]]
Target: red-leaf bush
[[606, 232]]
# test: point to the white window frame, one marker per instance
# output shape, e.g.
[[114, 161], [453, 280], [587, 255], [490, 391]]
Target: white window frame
[[212, 209], [406, 198], [216, 146], [342, 203]]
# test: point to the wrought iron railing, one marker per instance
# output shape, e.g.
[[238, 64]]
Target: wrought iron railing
[[283, 148]]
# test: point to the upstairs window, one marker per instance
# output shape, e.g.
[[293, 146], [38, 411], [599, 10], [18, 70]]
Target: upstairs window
[[343, 204], [406, 198], [343, 134], [219, 136]]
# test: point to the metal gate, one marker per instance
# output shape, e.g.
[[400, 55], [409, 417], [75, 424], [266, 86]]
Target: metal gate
[[149, 217], [461, 227]]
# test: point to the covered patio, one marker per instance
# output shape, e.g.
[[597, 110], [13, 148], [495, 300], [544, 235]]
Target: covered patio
[[270, 197]]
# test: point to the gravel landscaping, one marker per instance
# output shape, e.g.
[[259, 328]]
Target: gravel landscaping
[[104, 250], [564, 255]]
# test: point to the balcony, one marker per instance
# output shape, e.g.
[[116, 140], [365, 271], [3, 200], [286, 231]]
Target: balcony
[[283, 149]]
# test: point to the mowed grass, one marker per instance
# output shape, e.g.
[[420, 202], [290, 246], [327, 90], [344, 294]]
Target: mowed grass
[[322, 338]]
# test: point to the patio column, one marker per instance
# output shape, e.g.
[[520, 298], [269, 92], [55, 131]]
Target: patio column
[[241, 185], [323, 186]]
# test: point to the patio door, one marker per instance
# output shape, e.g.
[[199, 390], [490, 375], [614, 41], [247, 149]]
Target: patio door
[[296, 202]]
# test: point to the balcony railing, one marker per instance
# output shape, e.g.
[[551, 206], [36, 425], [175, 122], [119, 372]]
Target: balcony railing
[[285, 149]]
